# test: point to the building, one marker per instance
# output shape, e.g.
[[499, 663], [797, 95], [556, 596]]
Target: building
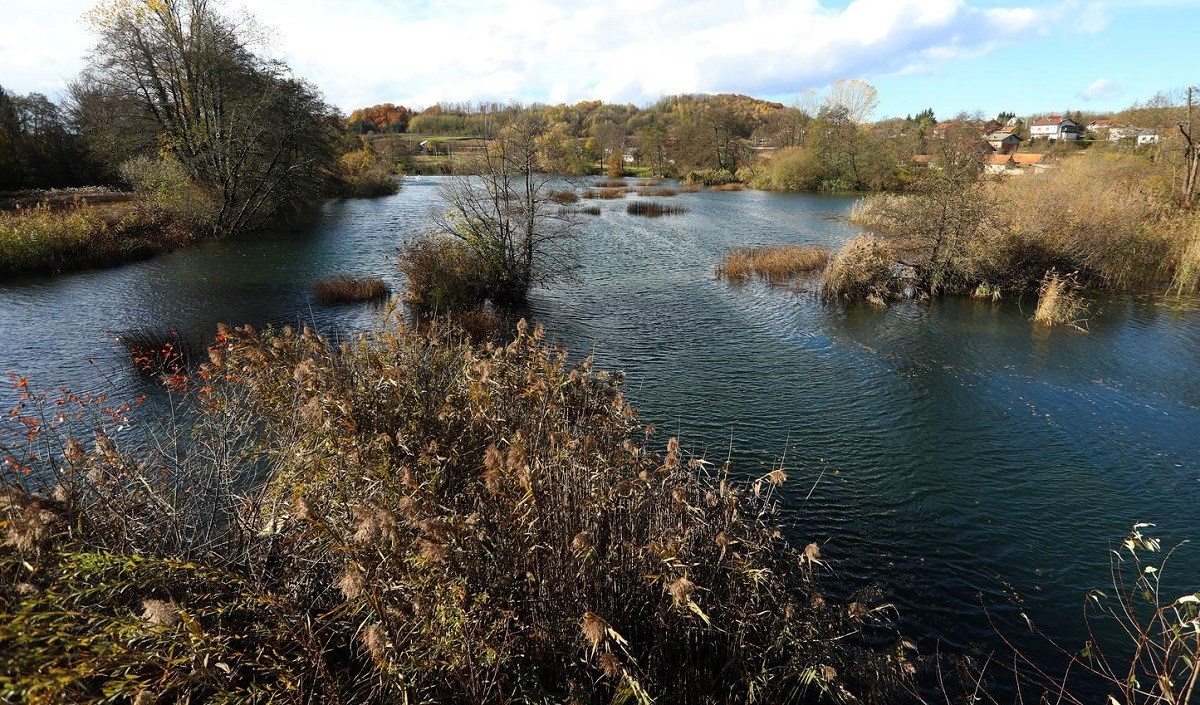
[[1099, 125], [1055, 127], [1147, 138], [1003, 142]]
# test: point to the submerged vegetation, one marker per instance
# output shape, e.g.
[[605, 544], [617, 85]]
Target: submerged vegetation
[[408, 518]]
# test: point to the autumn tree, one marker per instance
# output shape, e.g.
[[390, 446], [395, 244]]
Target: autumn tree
[[504, 212], [242, 126]]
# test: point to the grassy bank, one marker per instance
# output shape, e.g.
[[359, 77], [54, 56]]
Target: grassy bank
[[430, 521], [49, 240]]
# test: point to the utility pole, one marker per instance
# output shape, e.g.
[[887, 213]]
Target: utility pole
[[1191, 155]]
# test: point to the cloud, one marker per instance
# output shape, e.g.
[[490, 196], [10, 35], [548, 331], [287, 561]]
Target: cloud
[[418, 52], [1100, 89]]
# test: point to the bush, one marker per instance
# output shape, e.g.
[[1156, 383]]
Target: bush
[[408, 518], [789, 169], [709, 177], [445, 276], [362, 174], [163, 187]]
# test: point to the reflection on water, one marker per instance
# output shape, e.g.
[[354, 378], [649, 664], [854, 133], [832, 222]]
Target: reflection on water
[[954, 446]]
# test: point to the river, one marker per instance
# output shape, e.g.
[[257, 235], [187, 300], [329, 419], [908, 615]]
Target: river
[[951, 454]]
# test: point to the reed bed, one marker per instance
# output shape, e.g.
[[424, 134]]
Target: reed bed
[[665, 192], [605, 193], [775, 265], [732, 186], [405, 517], [582, 210], [690, 188], [1059, 301], [610, 183], [653, 181], [346, 289], [653, 210], [564, 197]]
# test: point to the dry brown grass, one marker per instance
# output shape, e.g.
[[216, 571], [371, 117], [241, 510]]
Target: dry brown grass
[[778, 264], [690, 188], [1059, 301], [654, 181], [564, 197], [666, 192], [605, 193], [732, 186], [862, 271], [346, 289], [610, 183]]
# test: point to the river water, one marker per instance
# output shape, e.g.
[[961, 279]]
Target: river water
[[951, 454]]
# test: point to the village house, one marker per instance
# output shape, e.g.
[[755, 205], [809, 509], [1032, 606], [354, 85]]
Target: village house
[[1003, 142], [1055, 127]]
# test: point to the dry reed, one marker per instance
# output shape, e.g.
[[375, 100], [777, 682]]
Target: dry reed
[[345, 289], [653, 210], [1059, 301], [564, 197], [606, 193], [777, 264], [610, 183], [665, 192]]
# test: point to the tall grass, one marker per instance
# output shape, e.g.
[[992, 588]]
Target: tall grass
[[664, 192], [1059, 302], [45, 239], [564, 197], [610, 183], [605, 193], [778, 264], [345, 289], [653, 210], [864, 270], [408, 518]]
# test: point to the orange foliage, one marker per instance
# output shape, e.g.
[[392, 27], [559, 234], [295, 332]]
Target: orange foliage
[[381, 118]]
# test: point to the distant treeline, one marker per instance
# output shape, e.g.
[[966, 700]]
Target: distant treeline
[[820, 142]]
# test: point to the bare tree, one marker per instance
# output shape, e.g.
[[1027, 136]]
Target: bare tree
[[503, 211], [1191, 155]]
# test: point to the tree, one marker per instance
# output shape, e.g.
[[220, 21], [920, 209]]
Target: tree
[[505, 213], [261, 140], [1191, 154]]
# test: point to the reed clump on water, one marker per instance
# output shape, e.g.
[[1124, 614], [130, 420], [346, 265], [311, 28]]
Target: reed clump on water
[[651, 209], [345, 288], [409, 518], [605, 193], [775, 265]]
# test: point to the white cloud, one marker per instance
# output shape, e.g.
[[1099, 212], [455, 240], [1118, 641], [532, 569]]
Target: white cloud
[[418, 52], [1101, 89]]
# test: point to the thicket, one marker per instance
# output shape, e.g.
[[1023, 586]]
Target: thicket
[[405, 518], [1101, 220]]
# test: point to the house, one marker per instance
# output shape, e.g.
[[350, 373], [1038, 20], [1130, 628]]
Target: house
[[1098, 125], [1026, 162], [1055, 127], [1147, 138], [991, 126], [996, 163], [1002, 142]]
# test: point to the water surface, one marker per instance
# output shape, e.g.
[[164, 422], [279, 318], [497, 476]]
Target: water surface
[[955, 453]]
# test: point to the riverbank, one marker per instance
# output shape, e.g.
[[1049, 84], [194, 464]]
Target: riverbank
[[59, 236]]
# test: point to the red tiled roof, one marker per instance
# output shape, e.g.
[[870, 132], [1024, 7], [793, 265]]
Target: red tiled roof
[[1045, 122], [1027, 158], [996, 159]]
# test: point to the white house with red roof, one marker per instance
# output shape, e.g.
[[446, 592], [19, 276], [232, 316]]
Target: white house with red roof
[[1055, 127]]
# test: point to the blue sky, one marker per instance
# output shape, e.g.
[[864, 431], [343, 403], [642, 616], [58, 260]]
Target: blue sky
[[951, 55]]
